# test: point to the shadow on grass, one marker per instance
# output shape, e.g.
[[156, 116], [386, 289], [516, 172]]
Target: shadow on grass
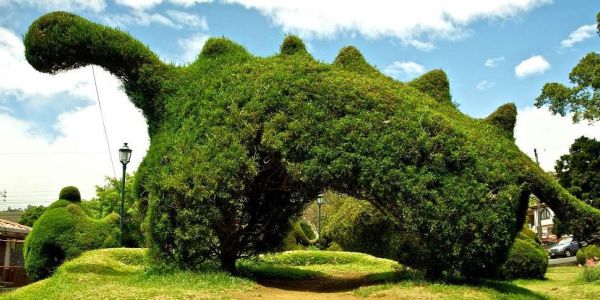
[[503, 287], [97, 269]]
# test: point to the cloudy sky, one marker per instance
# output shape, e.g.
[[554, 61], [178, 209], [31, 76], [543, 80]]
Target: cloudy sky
[[494, 51]]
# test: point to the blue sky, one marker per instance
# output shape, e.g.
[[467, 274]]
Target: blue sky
[[525, 43]]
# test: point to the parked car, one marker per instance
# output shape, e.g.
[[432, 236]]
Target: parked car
[[566, 247]]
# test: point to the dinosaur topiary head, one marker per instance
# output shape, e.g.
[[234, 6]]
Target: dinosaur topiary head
[[239, 144]]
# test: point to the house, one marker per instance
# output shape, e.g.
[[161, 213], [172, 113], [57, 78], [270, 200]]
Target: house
[[540, 215], [12, 236]]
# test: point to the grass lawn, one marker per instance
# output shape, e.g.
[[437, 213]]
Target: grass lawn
[[123, 274]]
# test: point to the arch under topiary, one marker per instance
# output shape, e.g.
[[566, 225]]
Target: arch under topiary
[[240, 144], [63, 232]]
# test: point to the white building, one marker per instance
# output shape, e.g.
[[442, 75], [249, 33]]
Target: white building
[[545, 215]]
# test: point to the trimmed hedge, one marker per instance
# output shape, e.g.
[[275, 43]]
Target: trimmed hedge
[[589, 251], [241, 143], [526, 259], [295, 239], [70, 193], [64, 231]]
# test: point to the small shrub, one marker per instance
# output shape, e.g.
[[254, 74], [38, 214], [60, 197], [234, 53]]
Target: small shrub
[[526, 259], [295, 239], [64, 231], [591, 274], [70, 193], [587, 252]]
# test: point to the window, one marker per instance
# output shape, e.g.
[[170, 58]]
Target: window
[[545, 215]]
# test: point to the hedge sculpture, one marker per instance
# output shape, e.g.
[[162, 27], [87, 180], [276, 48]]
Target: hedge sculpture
[[63, 232], [526, 259], [240, 143]]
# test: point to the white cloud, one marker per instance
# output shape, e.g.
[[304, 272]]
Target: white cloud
[[174, 19], [535, 65], [493, 62], [191, 47], [17, 76], [408, 21], [93, 5], [188, 19], [579, 35], [484, 85], [552, 135], [404, 70], [148, 4], [39, 167]]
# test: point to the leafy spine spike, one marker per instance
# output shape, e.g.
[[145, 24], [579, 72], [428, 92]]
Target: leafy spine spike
[[504, 118], [435, 84]]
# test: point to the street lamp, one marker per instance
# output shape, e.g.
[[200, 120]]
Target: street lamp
[[319, 203], [124, 157]]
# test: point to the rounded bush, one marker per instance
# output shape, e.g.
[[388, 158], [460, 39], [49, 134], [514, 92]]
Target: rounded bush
[[63, 232], [587, 252], [70, 193], [526, 259]]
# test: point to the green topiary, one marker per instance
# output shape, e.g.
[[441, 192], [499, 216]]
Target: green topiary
[[295, 239], [63, 232], [70, 193], [505, 118], [587, 252], [526, 259], [241, 143], [307, 229]]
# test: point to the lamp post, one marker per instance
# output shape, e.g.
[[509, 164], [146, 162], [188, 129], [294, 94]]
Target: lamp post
[[319, 203], [124, 157]]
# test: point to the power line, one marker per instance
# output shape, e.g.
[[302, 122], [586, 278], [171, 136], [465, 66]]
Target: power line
[[104, 124]]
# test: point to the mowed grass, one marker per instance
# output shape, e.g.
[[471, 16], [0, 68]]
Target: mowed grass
[[122, 274], [313, 264]]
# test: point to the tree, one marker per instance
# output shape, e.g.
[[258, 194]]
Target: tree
[[583, 99], [108, 201], [579, 172], [31, 214]]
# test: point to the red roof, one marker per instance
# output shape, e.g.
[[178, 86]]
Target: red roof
[[12, 229]]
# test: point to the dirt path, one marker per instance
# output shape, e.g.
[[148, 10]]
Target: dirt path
[[337, 287]]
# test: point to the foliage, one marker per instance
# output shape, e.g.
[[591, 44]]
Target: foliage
[[579, 172], [435, 84], [296, 238], [591, 274], [587, 252], [108, 201], [31, 214], [70, 193], [307, 229], [583, 99], [526, 259], [353, 227], [505, 118], [240, 145], [63, 232]]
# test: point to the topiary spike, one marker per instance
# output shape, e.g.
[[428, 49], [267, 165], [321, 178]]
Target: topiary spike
[[504, 118], [351, 59], [435, 84], [217, 47], [292, 45]]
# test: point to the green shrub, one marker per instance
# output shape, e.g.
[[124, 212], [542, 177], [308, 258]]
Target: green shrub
[[526, 259], [63, 232], [31, 214], [241, 143], [587, 252], [70, 193], [295, 239], [307, 229], [591, 274]]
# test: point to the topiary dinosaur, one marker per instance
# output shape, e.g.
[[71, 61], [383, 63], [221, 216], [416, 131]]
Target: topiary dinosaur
[[63, 232], [239, 144]]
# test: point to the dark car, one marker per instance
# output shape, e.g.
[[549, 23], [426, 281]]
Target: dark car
[[566, 247]]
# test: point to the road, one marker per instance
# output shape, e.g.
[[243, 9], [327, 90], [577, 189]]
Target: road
[[562, 261]]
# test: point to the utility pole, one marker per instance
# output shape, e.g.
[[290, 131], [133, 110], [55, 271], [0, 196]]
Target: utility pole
[[538, 223], [3, 195]]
